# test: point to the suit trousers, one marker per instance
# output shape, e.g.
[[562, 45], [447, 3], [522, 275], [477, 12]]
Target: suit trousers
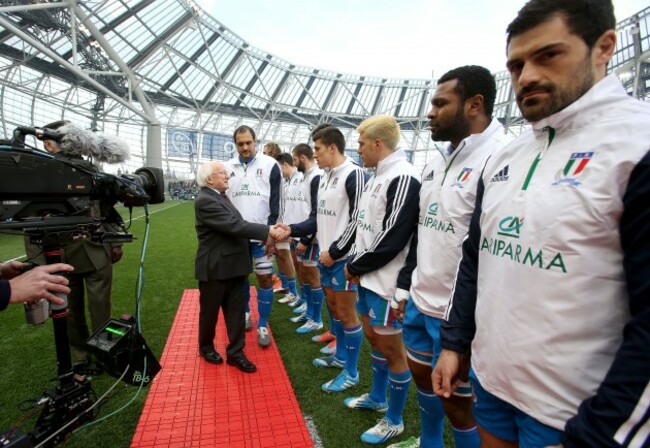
[[227, 295]]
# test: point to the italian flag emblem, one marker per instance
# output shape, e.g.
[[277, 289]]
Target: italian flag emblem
[[577, 163], [464, 175]]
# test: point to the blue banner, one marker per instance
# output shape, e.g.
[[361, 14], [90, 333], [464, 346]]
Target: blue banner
[[217, 147], [181, 143]]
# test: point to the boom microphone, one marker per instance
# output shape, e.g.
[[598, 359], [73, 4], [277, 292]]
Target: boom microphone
[[100, 147]]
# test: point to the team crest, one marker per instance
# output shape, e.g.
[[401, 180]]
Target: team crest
[[575, 167], [462, 178], [259, 173]]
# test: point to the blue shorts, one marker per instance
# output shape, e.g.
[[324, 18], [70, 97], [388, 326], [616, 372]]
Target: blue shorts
[[421, 335], [334, 277], [377, 309], [310, 257], [257, 249], [509, 423]]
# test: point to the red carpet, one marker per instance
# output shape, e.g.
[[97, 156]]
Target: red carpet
[[195, 404]]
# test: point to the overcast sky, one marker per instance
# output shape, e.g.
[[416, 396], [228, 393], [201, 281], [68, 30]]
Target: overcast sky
[[382, 38]]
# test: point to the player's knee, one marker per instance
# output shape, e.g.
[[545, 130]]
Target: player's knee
[[263, 266], [459, 411]]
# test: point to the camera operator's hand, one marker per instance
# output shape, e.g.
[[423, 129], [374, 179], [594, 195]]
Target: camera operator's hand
[[40, 282], [11, 269], [116, 254]]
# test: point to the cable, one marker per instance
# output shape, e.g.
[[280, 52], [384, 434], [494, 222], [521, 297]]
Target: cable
[[85, 411], [120, 409]]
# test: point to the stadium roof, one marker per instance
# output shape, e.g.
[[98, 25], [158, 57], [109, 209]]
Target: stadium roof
[[117, 64]]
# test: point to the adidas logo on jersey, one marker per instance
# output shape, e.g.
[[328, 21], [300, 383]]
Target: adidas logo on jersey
[[335, 282], [501, 176]]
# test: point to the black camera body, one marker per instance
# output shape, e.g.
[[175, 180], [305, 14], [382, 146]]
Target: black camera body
[[39, 190]]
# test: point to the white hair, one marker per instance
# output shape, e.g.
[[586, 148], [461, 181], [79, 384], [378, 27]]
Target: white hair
[[202, 174]]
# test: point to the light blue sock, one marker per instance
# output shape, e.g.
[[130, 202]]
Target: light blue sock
[[353, 339], [264, 303], [329, 313], [283, 279], [398, 383], [337, 329], [247, 295], [432, 419], [317, 295], [308, 298], [466, 438], [305, 289], [379, 388], [291, 286]]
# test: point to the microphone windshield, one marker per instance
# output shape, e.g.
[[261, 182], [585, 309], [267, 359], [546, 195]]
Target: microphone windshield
[[102, 148]]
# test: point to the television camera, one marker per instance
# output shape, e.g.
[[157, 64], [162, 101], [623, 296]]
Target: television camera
[[52, 200]]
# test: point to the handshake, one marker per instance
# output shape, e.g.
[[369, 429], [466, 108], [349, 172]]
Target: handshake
[[279, 232]]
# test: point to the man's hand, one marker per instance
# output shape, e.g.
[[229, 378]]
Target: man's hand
[[398, 303], [116, 254], [354, 279], [399, 312], [10, 269], [269, 247], [280, 232], [300, 249], [445, 376], [40, 282], [325, 259]]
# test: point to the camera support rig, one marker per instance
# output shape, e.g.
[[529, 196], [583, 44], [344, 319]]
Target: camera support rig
[[68, 405]]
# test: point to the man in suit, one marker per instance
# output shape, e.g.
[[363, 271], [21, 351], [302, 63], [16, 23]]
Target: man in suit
[[223, 262]]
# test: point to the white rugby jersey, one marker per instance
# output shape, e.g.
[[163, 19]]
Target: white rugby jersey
[[386, 221], [447, 199], [306, 196], [293, 199], [550, 277], [338, 197], [250, 187]]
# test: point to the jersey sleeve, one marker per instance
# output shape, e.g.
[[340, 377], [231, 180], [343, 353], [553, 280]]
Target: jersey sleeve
[[618, 415], [354, 188], [307, 228], [459, 327], [402, 206], [275, 180], [406, 273]]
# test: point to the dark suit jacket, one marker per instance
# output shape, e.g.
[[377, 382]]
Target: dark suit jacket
[[223, 250]]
